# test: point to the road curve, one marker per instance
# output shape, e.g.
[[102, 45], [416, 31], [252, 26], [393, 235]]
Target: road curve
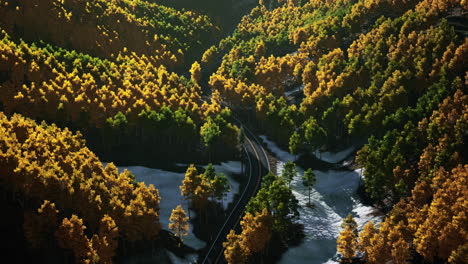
[[258, 166]]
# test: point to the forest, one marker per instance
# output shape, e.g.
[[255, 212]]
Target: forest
[[292, 92]]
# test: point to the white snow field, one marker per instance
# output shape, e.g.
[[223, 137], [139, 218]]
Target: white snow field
[[168, 182], [334, 197]]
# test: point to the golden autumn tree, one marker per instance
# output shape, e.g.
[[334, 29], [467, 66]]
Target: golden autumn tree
[[201, 194], [179, 222], [53, 164], [254, 238], [256, 230], [445, 224], [235, 252], [365, 236], [190, 182], [209, 55], [195, 72], [196, 187], [349, 221], [400, 252], [70, 235], [106, 242], [260, 49], [459, 255], [347, 244]]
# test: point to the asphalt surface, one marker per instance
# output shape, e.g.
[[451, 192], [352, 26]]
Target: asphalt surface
[[256, 167]]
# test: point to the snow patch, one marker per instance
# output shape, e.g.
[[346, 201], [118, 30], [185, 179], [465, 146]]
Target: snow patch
[[168, 182], [334, 197], [334, 157]]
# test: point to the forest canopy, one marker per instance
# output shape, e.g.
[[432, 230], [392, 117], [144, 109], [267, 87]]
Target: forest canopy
[[140, 81]]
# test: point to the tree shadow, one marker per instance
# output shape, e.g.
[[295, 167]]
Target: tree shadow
[[280, 243]]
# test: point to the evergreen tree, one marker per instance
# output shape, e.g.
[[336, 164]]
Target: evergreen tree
[[220, 186], [289, 171], [210, 172], [309, 179], [294, 143]]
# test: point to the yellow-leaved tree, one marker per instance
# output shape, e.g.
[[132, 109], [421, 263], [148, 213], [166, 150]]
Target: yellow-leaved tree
[[235, 251], [347, 244], [256, 231], [179, 222]]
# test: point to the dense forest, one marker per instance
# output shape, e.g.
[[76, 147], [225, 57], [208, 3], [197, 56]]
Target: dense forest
[[163, 82], [390, 72], [115, 84]]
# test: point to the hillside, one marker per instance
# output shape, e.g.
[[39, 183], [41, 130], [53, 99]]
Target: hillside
[[319, 74], [109, 76], [183, 84], [66, 197]]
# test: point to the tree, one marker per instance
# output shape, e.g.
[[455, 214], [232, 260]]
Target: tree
[[260, 49], [365, 236], [201, 194], [106, 242], [314, 134], [218, 182], [195, 71], [141, 214], [209, 132], [294, 143], [209, 55], [349, 221], [279, 200], [190, 182], [235, 252], [308, 180], [268, 179], [289, 171], [300, 36], [283, 204], [459, 255], [179, 222], [70, 235], [219, 186], [401, 251], [210, 172], [347, 244], [256, 230]]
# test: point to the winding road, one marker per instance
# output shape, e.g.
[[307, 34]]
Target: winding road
[[258, 166]]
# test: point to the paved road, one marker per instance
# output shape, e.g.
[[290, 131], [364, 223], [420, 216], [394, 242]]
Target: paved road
[[257, 166]]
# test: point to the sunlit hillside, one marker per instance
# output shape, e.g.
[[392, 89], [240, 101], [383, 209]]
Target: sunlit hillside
[[277, 131]]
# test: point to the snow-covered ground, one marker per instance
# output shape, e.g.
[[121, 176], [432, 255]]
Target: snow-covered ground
[[334, 197], [168, 182], [333, 157]]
